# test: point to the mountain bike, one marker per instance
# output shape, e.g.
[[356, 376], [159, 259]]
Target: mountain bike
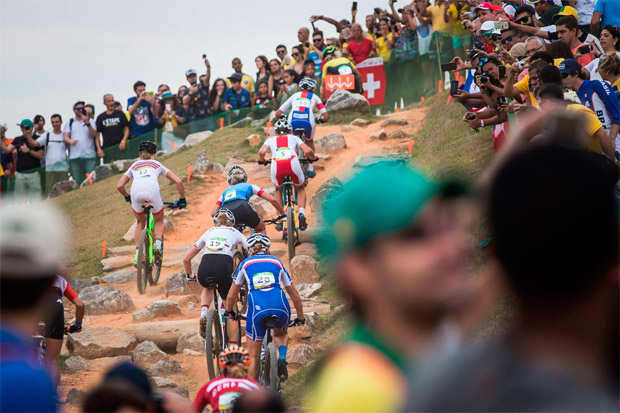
[[268, 366], [147, 267], [41, 347]]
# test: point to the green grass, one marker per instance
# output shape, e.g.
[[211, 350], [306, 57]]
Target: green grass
[[344, 117]]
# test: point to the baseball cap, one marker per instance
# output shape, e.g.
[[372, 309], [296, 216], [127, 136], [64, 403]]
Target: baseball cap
[[79, 102], [538, 1], [26, 122], [488, 27], [485, 5], [236, 77], [566, 11], [189, 72], [33, 240], [569, 66], [383, 198], [518, 50]]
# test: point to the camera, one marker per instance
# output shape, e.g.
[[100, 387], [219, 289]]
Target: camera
[[204, 56], [484, 77], [585, 49], [400, 10], [470, 116], [521, 64]]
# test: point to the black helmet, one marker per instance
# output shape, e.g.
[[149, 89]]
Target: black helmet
[[147, 146]]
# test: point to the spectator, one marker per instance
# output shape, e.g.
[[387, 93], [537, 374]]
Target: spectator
[[610, 70], [276, 73], [39, 126], [606, 13], [161, 89], [338, 66], [246, 80], [182, 91], [197, 99], [172, 116], [264, 73], [140, 108], [282, 53], [303, 35], [385, 42], [316, 52], [236, 97], [440, 16], [298, 54], [80, 133], [217, 95], [29, 155], [6, 163], [32, 247], [509, 38], [525, 16], [56, 164], [559, 51], [585, 9], [567, 29], [609, 43], [545, 9], [113, 127], [290, 84], [263, 99], [360, 48], [421, 24]]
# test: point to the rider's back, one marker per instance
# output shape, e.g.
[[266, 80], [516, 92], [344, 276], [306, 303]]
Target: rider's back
[[222, 392], [263, 272], [242, 191]]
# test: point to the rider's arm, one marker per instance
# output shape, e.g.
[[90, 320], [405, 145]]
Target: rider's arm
[[79, 305], [120, 186], [321, 107], [262, 152], [172, 177], [232, 297], [277, 205], [307, 151], [187, 260], [296, 299]]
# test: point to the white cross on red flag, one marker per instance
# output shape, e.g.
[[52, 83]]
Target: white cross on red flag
[[373, 79]]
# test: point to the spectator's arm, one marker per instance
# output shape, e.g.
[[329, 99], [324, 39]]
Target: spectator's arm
[[92, 132], [32, 142], [216, 103], [270, 80], [186, 99], [98, 148], [446, 16], [207, 80], [510, 91], [331, 21], [606, 141], [35, 154], [6, 148], [533, 31], [395, 15], [131, 109], [353, 15], [595, 24]]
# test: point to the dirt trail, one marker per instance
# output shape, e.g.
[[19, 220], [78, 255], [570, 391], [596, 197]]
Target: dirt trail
[[190, 226]]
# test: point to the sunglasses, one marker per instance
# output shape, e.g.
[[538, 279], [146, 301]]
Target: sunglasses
[[317, 40], [280, 51], [523, 20], [78, 108], [295, 54], [26, 127], [564, 75], [483, 61], [531, 52], [507, 39]]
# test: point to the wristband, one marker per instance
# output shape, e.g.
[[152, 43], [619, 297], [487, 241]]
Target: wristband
[[78, 324]]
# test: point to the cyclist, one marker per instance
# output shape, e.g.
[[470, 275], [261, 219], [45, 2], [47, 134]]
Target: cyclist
[[284, 162], [302, 115], [237, 196], [145, 188], [221, 393], [265, 275], [55, 326], [219, 243]]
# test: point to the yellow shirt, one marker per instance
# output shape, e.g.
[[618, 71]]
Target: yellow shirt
[[592, 124], [382, 47], [339, 61], [246, 82], [437, 16], [524, 84], [458, 28]]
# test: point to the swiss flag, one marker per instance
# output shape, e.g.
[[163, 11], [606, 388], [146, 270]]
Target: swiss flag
[[373, 79]]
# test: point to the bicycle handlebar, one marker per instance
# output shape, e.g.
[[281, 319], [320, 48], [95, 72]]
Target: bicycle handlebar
[[274, 220], [301, 160], [321, 119]]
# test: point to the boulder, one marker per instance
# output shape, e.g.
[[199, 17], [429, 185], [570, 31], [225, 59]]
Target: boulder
[[75, 364], [190, 340], [254, 140], [279, 253], [121, 276], [216, 167], [177, 285], [148, 352], [63, 187], [343, 99], [130, 235], [194, 353], [105, 300], [100, 173], [78, 284], [168, 226], [96, 342], [105, 363], [178, 212], [142, 315], [183, 300], [75, 397], [307, 249], [308, 290], [125, 249], [359, 122], [302, 355], [162, 383], [393, 122], [316, 201], [121, 166], [263, 208], [202, 163], [113, 263], [195, 138], [378, 135], [164, 308], [181, 391], [304, 269], [299, 332], [397, 134], [96, 280], [164, 368], [331, 142], [350, 128]]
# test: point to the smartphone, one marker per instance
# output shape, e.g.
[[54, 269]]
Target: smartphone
[[454, 87], [448, 67], [168, 107], [585, 49], [150, 93], [354, 6], [502, 71], [502, 100], [503, 25], [377, 10]]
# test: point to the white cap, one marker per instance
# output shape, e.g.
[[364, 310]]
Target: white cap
[[488, 26], [32, 240], [190, 72]]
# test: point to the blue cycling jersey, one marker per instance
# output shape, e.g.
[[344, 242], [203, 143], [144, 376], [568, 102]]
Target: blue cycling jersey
[[242, 191], [262, 272]]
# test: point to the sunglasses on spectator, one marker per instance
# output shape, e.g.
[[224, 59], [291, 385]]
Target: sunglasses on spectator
[[295, 54], [507, 39], [483, 61], [565, 75], [78, 108], [281, 51], [523, 20], [531, 52], [25, 127], [317, 40]]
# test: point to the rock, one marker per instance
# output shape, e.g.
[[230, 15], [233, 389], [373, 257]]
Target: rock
[[254, 140], [181, 391], [122, 165], [307, 249], [164, 368], [125, 249], [350, 128], [96, 280], [308, 290], [75, 364], [299, 332], [216, 168], [142, 315], [304, 269], [148, 352], [105, 300], [164, 308], [130, 235], [190, 340], [397, 134], [162, 383], [242, 123], [63, 187], [194, 353], [178, 212], [177, 285], [331, 142], [121, 276], [192, 307], [316, 201], [343, 99], [378, 135], [359, 122], [96, 342], [393, 122], [258, 123], [78, 284], [75, 397], [195, 138], [102, 172], [183, 300], [202, 163], [263, 208], [104, 363], [168, 225], [113, 263], [302, 355]]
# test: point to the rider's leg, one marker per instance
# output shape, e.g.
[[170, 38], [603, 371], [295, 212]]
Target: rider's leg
[[206, 297], [140, 222], [254, 350], [260, 227], [233, 331], [301, 198], [281, 339], [53, 358], [159, 228], [310, 143]]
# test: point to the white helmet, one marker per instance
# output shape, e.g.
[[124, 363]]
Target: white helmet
[[282, 126], [307, 84], [258, 238], [234, 171], [229, 215]]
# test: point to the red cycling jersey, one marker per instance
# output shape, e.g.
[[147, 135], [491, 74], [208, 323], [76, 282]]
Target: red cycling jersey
[[65, 288], [221, 393]]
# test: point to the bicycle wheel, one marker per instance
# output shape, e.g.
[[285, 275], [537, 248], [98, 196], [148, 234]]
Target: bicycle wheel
[[156, 268], [143, 262], [213, 343], [290, 232], [272, 382], [238, 258]]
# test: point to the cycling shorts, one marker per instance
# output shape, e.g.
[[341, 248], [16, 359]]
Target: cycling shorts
[[218, 266], [261, 304], [141, 193], [55, 323], [282, 169], [304, 124], [243, 212]]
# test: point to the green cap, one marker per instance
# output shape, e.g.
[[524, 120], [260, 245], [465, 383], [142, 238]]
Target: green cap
[[383, 198], [26, 122]]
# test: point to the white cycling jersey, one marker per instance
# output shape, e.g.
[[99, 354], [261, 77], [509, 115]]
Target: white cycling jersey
[[221, 240], [145, 187]]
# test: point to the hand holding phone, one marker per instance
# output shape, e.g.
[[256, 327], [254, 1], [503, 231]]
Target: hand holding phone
[[354, 7], [448, 67], [585, 49]]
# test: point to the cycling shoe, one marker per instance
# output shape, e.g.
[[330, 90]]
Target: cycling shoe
[[282, 370], [311, 174], [302, 222]]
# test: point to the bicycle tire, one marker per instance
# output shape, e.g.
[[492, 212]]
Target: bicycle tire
[[271, 367], [290, 232], [213, 343], [238, 258], [154, 276], [141, 267]]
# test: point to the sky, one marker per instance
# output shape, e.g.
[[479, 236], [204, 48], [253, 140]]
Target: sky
[[53, 53]]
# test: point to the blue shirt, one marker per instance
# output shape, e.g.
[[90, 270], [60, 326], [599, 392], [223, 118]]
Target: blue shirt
[[241, 191], [24, 385], [314, 56], [610, 9], [142, 120], [598, 96], [237, 100], [262, 272]]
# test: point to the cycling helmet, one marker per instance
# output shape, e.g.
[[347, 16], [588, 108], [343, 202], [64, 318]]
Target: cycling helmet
[[232, 355], [307, 84], [236, 170], [229, 215], [282, 126], [329, 51], [147, 146], [258, 238]]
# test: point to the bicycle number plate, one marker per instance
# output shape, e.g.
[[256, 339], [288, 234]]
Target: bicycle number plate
[[216, 244], [230, 195], [283, 154], [263, 280], [143, 173]]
